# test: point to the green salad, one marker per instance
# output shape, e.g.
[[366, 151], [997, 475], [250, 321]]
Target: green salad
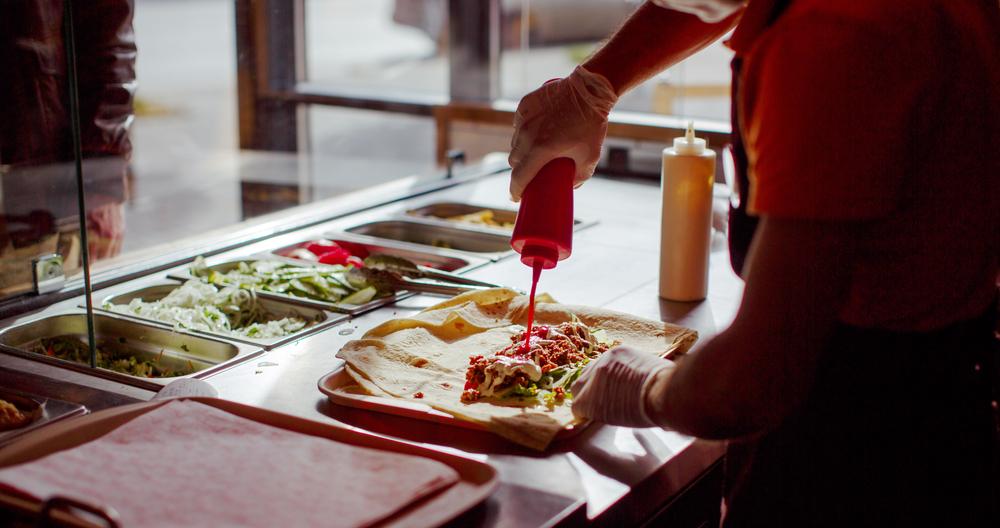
[[110, 356]]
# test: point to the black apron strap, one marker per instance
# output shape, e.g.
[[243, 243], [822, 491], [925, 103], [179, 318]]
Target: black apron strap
[[741, 225]]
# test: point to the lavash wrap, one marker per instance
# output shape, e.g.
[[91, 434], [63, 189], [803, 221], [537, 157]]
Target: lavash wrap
[[428, 353]]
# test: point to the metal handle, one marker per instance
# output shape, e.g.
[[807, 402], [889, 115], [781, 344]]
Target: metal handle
[[431, 273], [439, 288], [452, 156]]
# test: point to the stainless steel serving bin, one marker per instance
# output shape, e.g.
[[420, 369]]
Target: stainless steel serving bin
[[144, 340], [489, 243], [316, 318], [446, 211], [443, 212], [40, 410]]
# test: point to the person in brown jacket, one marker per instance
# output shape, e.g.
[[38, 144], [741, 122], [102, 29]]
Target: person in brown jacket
[[36, 133]]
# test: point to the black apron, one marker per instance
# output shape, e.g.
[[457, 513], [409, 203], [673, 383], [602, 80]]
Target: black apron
[[898, 430]]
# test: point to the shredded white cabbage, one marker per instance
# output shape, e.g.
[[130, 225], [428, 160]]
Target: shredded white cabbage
[[200, 306]]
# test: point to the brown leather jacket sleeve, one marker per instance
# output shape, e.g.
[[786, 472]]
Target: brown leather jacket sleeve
[[34, 101], [105, 51]]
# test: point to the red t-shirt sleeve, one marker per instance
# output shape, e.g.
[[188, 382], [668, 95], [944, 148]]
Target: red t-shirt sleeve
[[827, 100]]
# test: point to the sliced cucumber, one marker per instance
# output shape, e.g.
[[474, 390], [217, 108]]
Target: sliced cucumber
[[361, 296]]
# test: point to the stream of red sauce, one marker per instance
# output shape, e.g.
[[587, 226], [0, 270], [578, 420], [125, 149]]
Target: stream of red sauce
[[536, 272]]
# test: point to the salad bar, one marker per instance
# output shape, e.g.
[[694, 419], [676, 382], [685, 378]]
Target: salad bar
[[268, 322]]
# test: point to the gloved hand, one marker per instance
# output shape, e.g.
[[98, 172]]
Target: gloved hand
[[613, 388], [564, 118]]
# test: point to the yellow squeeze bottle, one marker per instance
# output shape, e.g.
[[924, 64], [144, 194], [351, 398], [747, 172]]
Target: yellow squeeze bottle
[[686, 218]]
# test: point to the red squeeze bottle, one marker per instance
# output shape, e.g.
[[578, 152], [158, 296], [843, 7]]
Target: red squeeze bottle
[[543, 230]]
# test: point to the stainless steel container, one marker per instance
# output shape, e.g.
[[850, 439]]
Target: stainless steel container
[[450, 211], [40, 412], [316, 318], [482, 241], [178, 351]]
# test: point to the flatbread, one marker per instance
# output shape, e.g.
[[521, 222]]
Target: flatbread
[[424, 358]]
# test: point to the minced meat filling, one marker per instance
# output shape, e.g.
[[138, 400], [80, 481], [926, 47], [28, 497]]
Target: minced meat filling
[[570, 343]]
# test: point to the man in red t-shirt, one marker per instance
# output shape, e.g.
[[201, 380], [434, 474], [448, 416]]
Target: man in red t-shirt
[[855, 383]]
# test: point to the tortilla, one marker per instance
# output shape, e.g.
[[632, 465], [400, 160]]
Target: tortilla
[[424, 358]]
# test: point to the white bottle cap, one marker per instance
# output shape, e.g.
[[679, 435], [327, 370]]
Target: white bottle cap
[[689, 144]]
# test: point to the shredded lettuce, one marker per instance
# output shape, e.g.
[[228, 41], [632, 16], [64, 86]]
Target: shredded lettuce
[[524, 392]]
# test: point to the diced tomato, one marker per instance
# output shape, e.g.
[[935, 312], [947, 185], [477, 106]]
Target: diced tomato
[[356, 249], [321, 246], [469, 385], [355, 261], [335, 256]]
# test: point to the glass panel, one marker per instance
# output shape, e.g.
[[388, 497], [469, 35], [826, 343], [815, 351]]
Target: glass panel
[[384, 44], [40, 203], [185, 162], [176, 169], [546, 39], [352, 148], [556, 35], [188, 173], [179, 171]]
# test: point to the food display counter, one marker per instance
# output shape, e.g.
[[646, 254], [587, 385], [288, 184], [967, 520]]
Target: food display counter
[[597, 476]]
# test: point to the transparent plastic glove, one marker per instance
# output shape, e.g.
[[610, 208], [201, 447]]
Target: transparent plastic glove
[[563, 118], [612, 389]]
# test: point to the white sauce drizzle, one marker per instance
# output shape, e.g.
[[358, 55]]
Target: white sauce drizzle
[[505, 367]]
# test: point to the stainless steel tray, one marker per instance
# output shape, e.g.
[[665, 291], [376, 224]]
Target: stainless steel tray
[[488, 243], [316, 318], [43, 411], [476, 480], [146, 341], [342, 311]]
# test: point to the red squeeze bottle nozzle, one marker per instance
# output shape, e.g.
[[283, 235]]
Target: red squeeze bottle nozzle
[[543, 230]]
